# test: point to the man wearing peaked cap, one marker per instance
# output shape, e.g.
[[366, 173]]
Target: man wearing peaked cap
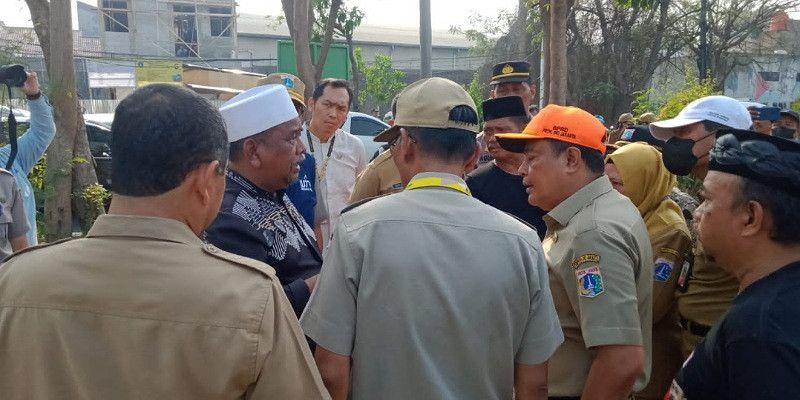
[[748, 222], [302, 191], [513, 78], [141, 307], [498, 182], [257, 219], [599, 254], [405, 280], [709, 289]]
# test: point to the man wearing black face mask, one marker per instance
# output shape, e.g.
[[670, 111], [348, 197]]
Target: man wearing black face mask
[[706, 291], [786, 126]]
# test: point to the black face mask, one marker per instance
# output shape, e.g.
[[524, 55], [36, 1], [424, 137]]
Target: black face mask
[[678, 156], [783, 132]]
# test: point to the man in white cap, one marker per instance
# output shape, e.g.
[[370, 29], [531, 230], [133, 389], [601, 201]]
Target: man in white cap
[[706, 291], [408, 306], [257, 219]]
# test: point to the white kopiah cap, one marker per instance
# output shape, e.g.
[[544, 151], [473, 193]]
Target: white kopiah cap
[[720, 109], [257, 110]]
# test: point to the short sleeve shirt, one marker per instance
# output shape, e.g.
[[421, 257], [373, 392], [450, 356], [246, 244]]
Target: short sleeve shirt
[[13, 223], [381, 177], [302, 191], [601, 277], [348, 158], [754, 352], [434, 295]]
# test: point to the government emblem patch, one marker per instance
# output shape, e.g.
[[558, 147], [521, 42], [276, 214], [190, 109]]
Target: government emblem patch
[[590, 282]]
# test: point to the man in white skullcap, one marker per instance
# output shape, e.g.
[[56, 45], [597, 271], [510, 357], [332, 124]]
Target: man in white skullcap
[[257, 219]]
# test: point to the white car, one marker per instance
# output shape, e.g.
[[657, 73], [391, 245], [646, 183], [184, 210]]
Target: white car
[[365, 127]]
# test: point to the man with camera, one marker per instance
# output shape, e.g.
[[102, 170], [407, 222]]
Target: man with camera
[[31, 145]]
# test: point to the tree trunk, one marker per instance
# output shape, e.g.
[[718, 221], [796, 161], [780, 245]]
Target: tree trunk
[[40, 16], [545, 67], [356, 73], [327, 39], [83, 176], [61, 71], [302, 44], [558, 52]]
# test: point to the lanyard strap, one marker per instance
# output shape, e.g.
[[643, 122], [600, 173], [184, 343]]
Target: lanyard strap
[[321, 172], [435, 181]]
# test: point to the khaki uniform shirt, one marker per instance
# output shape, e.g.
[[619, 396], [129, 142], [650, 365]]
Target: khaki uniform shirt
[[601, 276], [710, 292], [142, 309], [434, 295], [379, 178], [669, 252]]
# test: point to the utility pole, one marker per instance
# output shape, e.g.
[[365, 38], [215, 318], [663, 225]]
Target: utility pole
[[425, 41], [703, 63]]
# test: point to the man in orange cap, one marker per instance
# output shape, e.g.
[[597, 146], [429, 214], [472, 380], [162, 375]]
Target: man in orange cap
[[598, 253]]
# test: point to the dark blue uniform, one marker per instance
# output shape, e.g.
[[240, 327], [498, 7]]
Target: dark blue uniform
[[754, 352], [267, 227], [302, 192]]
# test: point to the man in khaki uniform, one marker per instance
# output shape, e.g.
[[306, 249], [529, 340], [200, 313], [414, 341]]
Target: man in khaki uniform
[[141, 308], [598, 253], [429, 293], [379, 178], [709, 291]]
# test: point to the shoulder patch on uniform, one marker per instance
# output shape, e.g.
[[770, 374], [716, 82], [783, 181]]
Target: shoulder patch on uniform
[[38, 246], [590, 281], [264, 269], [663, 269], [586, 258], [358, 203]]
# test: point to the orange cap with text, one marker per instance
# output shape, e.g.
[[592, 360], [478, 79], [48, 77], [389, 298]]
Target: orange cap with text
[[566, 124]]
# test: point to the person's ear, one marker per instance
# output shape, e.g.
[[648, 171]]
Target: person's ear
[[472, 161], [572, 159], [406, 145], [250, 152], [754, 219], [204, 182]]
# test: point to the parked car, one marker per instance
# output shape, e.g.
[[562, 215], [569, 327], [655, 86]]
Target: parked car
[[19, 113], [365, 127], [99, 144]]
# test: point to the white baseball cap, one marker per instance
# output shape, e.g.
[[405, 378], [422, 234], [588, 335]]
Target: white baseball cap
[[256, 110], [720, 109]]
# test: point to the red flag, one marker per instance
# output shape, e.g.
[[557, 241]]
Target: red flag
[[761, 86]]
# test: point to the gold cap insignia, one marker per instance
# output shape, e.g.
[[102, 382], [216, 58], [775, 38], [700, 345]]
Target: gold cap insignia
[[507, 69]]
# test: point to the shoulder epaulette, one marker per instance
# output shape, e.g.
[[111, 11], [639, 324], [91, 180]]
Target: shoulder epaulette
[[264, 269], [37, 247], [359, 203]]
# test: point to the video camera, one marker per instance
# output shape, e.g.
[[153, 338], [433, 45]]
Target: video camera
[[13, 75]]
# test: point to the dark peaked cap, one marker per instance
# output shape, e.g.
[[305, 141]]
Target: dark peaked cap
[[501, 107]]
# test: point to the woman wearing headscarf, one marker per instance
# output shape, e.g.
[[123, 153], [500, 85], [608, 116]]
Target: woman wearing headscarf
[[636, 171]]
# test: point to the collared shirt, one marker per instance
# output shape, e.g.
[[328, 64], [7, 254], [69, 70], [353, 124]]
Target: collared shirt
[[141, 308], [266, 227], [347, 160], [380, 178], [13, 223], [601, 277], [434, 295], [30, 148], [504, 191]]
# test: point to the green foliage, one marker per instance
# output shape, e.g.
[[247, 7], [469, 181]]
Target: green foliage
[[483, 32], [643, 102], [383, 81], [345, 23], [96, 195], [692, 89], [476, 91], [795, 105]]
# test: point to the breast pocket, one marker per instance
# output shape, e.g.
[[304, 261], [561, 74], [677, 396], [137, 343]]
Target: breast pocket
[[342, 180]]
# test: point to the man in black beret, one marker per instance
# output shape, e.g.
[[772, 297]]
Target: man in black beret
[[748, 223], [497, 183]]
